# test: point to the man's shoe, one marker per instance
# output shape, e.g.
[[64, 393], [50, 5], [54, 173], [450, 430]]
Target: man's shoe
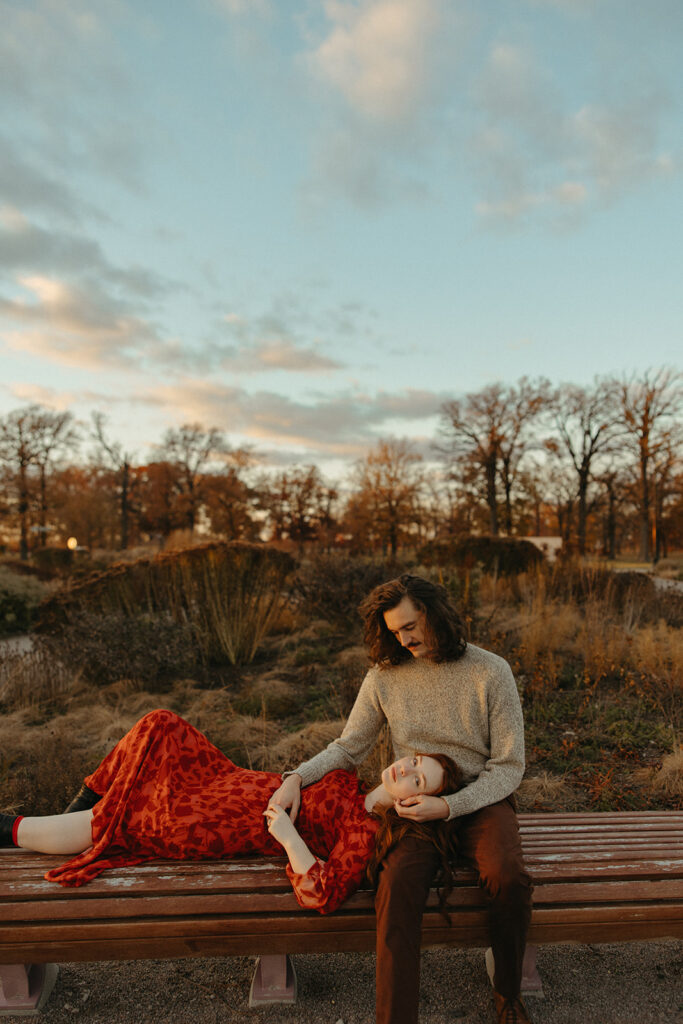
[[511, 1011]]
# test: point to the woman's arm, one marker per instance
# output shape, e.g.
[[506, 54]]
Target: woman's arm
[[324, 885], [281, 827]]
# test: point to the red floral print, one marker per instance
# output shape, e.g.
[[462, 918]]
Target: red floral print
[[168, 792]]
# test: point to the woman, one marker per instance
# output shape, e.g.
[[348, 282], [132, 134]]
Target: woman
[[165, 791]]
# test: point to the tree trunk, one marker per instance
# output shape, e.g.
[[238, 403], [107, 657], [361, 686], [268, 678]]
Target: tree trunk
[[124, 505], [23, 513], [644, 510], [43, 508], [611, 526], [583, 514], [491, 494]]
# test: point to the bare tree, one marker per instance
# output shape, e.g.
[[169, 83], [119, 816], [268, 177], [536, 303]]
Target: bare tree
[[490, 429], [615, 493], [649, 408], [120, 463], [471, 429], [299, 504], [385, 501], [189, 448], [19, 452], [524, 403], [55, 434], [587, 424]]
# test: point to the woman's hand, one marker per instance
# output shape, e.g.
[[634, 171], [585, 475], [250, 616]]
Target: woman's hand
[[288, 795], [279, 823], [281, 827]]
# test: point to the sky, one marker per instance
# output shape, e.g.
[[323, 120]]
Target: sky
[[310, 224]]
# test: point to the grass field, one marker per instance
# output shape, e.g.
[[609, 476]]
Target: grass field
[[599, 671]]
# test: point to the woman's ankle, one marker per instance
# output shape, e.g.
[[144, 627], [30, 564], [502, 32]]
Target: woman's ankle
[[9, 825], [84, 800]]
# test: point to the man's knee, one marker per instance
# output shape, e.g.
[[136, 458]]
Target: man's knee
[[506, 879], [405, 877]]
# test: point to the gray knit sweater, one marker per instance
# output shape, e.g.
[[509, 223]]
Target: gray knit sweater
[[468, 709]]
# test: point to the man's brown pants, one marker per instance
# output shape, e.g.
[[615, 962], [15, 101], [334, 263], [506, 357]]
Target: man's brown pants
[[489, 839]]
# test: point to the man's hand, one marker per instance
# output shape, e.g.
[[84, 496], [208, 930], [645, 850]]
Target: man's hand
[[288, 795], [422, 808]]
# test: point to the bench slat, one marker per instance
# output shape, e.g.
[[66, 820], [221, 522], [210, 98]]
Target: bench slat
[[256, 902], [324, 934]]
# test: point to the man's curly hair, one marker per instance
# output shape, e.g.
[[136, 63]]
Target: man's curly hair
[[444, 629]]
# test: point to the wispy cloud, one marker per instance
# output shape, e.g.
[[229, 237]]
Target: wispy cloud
[[376, 55], [27, 247], [341, 424], [384, 66], [536, 155], [64, 324]]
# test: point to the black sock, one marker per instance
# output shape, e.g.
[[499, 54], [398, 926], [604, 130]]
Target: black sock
[[84, 800], [8, 826]]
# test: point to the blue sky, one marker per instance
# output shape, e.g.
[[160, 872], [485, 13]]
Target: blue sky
[[311, 223]]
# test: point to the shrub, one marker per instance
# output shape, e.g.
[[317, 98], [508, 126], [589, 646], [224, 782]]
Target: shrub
[[333, 585], [44, 778], [505, 556], [53, 561], [34, 677], [144, 649], [227, 595], [20, 597]]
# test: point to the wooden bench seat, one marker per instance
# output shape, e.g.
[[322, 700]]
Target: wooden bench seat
[[598, 878]]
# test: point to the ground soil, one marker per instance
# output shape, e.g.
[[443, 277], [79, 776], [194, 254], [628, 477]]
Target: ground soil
[[629, 983]]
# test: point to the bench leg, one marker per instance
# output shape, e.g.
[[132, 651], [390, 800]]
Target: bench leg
[[25, 988], [274, 981], [531, 979]]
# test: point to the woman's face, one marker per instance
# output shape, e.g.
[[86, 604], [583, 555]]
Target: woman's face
[[411, 775]]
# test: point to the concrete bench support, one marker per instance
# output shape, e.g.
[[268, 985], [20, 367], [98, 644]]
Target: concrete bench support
[[24, 988], [274, 981]]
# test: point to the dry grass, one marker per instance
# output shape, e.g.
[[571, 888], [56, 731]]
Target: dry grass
[[295, 747], [665, 782], [546, 792], [33, 678], [227, 594]]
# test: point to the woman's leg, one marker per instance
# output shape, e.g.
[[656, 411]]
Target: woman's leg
[[56, 833]]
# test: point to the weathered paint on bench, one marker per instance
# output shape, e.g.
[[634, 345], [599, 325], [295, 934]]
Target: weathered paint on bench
[[598, 878]]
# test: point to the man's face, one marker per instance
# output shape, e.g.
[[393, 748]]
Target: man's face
[[408, 626]]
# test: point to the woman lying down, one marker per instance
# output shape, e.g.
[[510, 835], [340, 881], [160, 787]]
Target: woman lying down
[[165, 791]]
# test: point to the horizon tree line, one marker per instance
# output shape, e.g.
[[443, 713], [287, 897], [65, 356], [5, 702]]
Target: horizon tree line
[[600, 465]]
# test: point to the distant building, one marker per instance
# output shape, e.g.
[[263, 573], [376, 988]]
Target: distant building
[[550, 546]]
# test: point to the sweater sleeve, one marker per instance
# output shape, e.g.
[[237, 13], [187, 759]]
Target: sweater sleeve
[[356, 741], [327, 884], [503, 771]]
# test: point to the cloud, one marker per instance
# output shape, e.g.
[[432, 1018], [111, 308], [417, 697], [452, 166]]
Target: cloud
[[281, 354], [241, 7], [67, 91], [342, 424], [23, 186], [28, 248], [385, 67], [277, 338], [377, 55], [64, 324], [537, 155]]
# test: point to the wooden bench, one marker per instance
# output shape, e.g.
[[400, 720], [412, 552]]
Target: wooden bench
[[598, 878]]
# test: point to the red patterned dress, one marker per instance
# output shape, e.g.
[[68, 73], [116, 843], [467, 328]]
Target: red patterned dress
[[168, 792]]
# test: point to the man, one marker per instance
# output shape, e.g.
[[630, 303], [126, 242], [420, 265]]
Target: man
[[437, 693]]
